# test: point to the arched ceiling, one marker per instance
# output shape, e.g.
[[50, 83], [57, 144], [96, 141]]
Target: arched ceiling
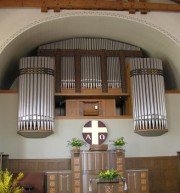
[[154, 41]]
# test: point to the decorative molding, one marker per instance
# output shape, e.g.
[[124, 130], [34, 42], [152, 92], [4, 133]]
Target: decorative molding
[[67, 14]]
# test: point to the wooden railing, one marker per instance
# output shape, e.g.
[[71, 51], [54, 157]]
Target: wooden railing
[[132, 5]]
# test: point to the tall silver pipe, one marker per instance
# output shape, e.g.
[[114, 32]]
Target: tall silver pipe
[[36, 94], [148, 94]]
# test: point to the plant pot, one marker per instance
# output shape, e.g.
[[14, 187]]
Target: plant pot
[[76, 149], [119, 148], [108, 186]]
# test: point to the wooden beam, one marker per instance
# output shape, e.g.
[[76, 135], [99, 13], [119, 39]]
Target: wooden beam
[[177, 1], [132, 5]]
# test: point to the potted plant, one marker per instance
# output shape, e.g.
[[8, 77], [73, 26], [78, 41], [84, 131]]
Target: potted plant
[[76, 143], [118, 143], [8, 184], [109, 175]]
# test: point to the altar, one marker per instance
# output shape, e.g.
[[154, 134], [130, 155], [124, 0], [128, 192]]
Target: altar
[[85, 166]]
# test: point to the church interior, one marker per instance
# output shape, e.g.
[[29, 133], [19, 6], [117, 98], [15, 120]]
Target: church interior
[[101, 72]]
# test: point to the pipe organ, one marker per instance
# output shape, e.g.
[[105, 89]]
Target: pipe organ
[[113, 72], [91, 72], [67, 72], [89, 62], [148, 96], [88, 44], [92, 78], [36, 94]]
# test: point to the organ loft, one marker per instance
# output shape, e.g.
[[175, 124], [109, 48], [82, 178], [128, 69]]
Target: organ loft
[[92, 78]]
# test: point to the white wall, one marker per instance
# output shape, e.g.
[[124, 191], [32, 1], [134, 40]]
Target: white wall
[[55, 146]]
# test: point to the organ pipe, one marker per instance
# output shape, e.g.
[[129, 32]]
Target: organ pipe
[[90, 65], [89, 44], [36, 94], [148, 96]]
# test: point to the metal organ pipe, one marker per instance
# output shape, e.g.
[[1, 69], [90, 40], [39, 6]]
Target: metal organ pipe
[[67, 72], [113, 72], [90, 65], [90, 72], [148, 95], [36, 94]]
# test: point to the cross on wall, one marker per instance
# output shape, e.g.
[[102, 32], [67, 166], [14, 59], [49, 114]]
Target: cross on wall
[[95, 132]]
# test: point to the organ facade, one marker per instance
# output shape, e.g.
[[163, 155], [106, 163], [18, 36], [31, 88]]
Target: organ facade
[[90, 77]]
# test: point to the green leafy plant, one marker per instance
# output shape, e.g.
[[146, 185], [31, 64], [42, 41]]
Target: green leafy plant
[[8, 184], [109, 175], [74, 142], [119, 141]]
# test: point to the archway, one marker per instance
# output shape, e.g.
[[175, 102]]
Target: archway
[[155, 41]]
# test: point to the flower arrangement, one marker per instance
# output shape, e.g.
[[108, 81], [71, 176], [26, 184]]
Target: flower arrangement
[[109, 175], [8, 184], [74, 142], [119, 141]]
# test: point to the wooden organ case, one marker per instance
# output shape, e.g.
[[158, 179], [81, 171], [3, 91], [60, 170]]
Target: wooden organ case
[[91, 76]]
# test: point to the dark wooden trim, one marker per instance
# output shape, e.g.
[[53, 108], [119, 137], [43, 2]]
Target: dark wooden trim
[[104, 73], [72, 52], [131, 6], [8, 91], [57, 73], [172, 92], [123, 71], [77, 72]]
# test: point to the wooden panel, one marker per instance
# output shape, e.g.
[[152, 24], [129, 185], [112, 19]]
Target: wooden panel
[[76, 168], [163, 171], [72, 108], [58, 182], [120, 166], [38, 165], [64, 182], [137, 181], [98, 160], [3, 161], [52, 182], [108, 107], [95, 161], [90, 107]]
